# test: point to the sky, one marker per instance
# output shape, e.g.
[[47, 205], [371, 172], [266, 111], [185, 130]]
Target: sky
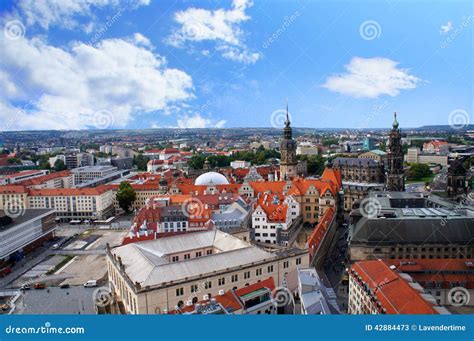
[[137, 64]]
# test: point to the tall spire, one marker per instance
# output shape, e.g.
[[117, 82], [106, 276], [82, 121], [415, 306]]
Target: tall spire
[[287, 122], [395, 122]]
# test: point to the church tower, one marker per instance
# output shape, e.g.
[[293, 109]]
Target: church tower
[[395, 176], [288, 151]]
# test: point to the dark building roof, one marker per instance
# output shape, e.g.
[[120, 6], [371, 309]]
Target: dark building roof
[[354, 161], [414, 231], [26, 215]]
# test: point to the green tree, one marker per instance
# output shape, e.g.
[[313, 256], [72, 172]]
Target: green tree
[[419, 171], [126, 196], [197, 161], [59, 165], [140, 161]]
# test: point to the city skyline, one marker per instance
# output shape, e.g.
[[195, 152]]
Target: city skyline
[[144, 64]]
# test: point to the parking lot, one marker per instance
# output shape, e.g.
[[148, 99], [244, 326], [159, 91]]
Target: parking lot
[[77, 256]]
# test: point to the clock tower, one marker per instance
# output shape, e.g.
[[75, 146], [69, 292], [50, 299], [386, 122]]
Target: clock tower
[[288, 151], [395, 176]]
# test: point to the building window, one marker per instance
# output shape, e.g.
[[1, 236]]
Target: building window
[[235, 278], [298, 261], [187, 256], [270, 268], [221, 281], [258, 272], [175, 258], [208, 285], [194, 288], [198, 254], [180, 292], [247, 275]]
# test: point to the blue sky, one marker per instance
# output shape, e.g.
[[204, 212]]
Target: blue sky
[[147, 63]]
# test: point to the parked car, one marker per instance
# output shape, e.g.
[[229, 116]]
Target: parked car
[[55, 246], [40, 286], [90, 283], [64, 286], [4, 307]]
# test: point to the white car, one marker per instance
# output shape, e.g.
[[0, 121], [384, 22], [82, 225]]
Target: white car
[[90, 283]]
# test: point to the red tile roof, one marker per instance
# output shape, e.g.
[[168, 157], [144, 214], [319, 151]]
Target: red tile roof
[[274, 212], [42, 179], [442, 271], [13, 189], [22, 173], [268, 283], [319, 232], [393, 292]]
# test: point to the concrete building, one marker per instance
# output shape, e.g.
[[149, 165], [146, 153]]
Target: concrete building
[[63, 179], [17, 177], [396, 225], [92, 176], [239, 164], [73, 203], [307, 149], [23, 233], [414, 155], [153, 277]]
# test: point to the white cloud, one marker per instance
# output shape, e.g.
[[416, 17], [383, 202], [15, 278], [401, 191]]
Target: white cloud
[[370, 78], [64, 13], [221, 26], [446, 27], [197, 121], [140, 39], [64, 88]]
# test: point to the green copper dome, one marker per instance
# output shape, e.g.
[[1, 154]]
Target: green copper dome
[[395, 122]]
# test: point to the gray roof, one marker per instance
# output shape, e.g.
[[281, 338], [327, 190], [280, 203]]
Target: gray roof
[[317, 298], [414, 230], [27, 215], [146, 262], [355, 161]]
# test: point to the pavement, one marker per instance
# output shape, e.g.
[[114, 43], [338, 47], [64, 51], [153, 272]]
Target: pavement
[[334, 267]]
